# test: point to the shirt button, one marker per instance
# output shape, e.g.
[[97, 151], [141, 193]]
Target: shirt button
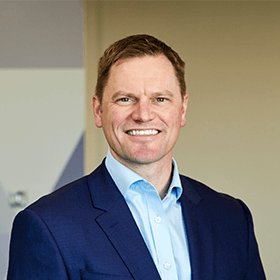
[[158, 219], [167, 266], [168, 196]]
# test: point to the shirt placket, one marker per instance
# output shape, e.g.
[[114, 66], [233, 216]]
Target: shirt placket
[[161, 236]]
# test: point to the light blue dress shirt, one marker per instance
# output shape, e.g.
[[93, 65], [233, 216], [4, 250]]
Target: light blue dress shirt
[[159, 221]]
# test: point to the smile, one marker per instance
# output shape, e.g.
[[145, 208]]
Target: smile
[[143, 132]]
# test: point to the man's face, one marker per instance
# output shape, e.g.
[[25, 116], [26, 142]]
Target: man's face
[[142, 110]]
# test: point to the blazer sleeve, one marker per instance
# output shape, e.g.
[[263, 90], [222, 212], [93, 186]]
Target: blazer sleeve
[[33, 251], [254, 265]]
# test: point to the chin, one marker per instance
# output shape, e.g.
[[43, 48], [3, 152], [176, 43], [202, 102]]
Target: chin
[[145, 158]]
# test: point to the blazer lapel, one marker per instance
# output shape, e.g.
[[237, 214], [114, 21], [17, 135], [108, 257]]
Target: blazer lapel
[[118, 224], [200, 233]]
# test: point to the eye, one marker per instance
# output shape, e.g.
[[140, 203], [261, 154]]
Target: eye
[[124, 99], [161, 99]]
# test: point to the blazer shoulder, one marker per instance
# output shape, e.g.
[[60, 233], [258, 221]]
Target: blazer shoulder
[[214, 199], [73, 194], [65, 195]]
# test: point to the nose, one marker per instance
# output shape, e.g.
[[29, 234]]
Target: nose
[[143, 111]]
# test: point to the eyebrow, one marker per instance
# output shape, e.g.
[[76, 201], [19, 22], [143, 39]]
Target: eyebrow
[[163, 93], [128, 94], [122, 93]]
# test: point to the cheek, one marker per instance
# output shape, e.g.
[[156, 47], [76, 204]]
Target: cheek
[[173, 118], [116, 122], [119, 117]]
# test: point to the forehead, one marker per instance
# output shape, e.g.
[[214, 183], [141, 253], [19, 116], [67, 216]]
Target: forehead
[[143, 73]]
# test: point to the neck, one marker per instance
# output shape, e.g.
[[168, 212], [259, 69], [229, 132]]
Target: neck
[[158, 173]]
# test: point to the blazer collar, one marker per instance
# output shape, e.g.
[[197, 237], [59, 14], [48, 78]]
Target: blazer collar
[[200, 232], [118, 224]]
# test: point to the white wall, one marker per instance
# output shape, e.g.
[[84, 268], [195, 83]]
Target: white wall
[[41, 117], [41, 100]]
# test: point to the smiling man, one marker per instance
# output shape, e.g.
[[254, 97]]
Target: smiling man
[[141, 114], [135, 217]]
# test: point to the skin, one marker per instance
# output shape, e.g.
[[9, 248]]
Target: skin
[[141, 114]]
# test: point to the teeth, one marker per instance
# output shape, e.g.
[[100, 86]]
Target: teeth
[[143, 132]]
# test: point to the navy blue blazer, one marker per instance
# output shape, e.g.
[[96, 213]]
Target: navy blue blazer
[[85, 230]]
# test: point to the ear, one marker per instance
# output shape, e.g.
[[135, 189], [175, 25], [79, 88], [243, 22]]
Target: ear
[[184, 110], [97, 111]]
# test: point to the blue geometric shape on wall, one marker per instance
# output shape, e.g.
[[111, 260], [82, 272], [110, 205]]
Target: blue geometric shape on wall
[[75, 166]]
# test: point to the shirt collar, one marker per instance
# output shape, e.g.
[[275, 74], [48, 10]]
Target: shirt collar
[[125, 177]]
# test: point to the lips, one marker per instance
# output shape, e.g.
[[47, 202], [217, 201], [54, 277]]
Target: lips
[[134, 132]]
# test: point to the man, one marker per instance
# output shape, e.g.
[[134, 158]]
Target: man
[[135, 217]]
